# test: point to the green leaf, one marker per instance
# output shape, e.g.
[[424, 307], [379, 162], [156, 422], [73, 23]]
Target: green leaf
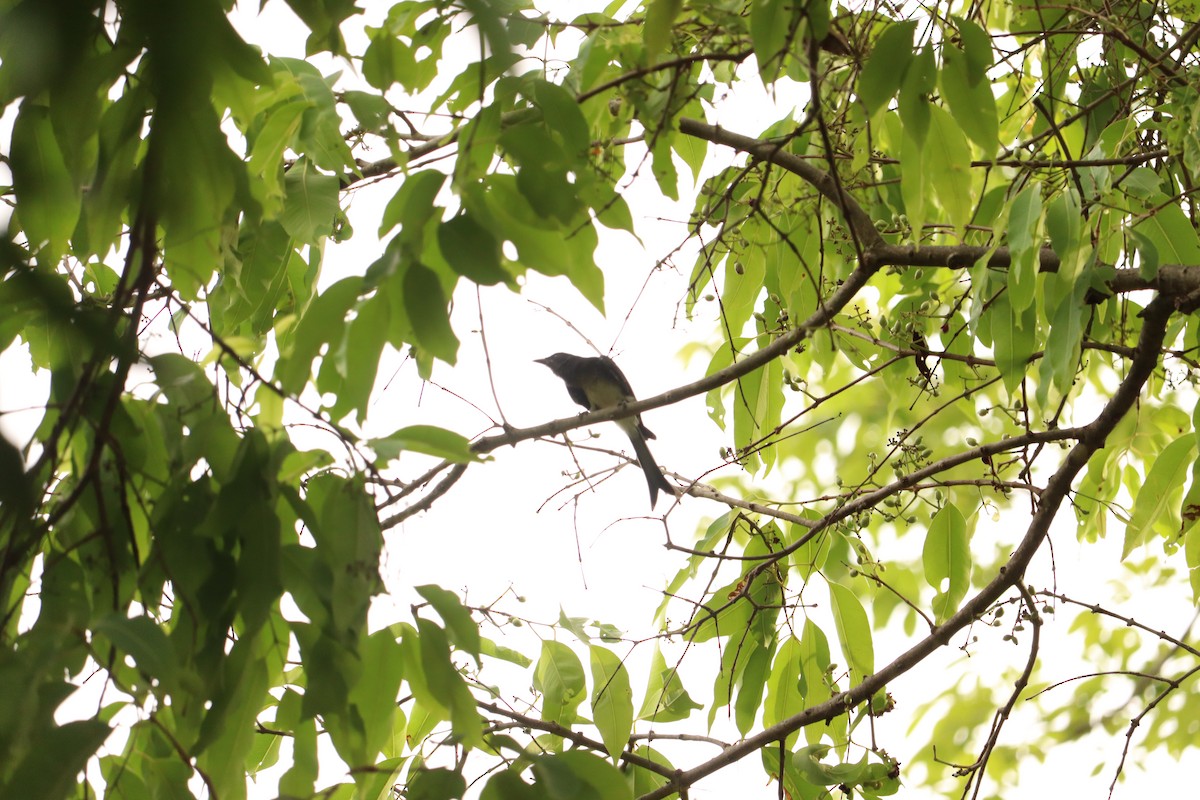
[[471, 250], [662, 164], [1147, 254], [612, 700], [16, 488], [427, 439], [913, 103], [507, 785], [144, 640], [1063, 343], [195, 191], [357, 357], [610, 208], [970, 101], [488, 647], [784, 695], [387, 60], [300, 779], [1024, 242], [320, 137], [446, 684], [559, 677], [666, 700], [1014, 339], [413, 204], [1172, 234], [543, 244], [644, 780], [656, 32], [436, 784], [371, 110], [563, 118], [426, 305], [49, 769], [854, 632], [978, 46], [914, 183], [885, 69], [579, 775], [768, 33], [463, 630], [48, 197], [311, 203], [751, 682], [1156, 496], [277, 133], [947, 560], [371, 694], [323, 322], [949, 158], [1191, 550], [1064, 223]]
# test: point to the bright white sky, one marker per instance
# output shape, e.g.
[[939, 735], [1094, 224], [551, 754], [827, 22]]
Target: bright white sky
[[502, 531]]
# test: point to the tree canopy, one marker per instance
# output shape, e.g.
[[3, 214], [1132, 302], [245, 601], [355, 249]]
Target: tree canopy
[[944, 315]]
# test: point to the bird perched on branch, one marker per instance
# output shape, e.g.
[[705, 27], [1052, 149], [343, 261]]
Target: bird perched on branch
[[596, 383]]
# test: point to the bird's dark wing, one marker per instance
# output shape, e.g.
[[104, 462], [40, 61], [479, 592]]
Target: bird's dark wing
[[615, 375], [579, 396]]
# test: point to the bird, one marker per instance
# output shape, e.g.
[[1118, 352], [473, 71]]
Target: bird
[[596, 383]]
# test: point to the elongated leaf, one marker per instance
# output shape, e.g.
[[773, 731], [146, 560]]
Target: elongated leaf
[[447, 685], [949, 160], [427, 439], [1014, 337], [751, 683], [768, 33], [412, 204], [854, 632], [463, 630], [436, 784], [660, 17], [471, 250], [612, 700], [48, 199], [1157, 494], [784, 695], [1057, 369], [559, 677], [144, 640], [428, 310], [1172, 234], [666, 700], [579, 774], [947, 560], [971, 102], [1024, 241], [311, 203], [48, 771], [885, 69]]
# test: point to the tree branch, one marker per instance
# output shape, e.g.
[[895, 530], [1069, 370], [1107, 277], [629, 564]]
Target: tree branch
[[1154, 325]]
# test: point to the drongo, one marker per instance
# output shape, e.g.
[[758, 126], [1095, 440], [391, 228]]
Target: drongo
[[597, 383]]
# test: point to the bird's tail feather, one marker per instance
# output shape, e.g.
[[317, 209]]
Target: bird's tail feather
[[654, 476]]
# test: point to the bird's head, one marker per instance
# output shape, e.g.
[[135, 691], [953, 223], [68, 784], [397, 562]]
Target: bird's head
[[558, 362]]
